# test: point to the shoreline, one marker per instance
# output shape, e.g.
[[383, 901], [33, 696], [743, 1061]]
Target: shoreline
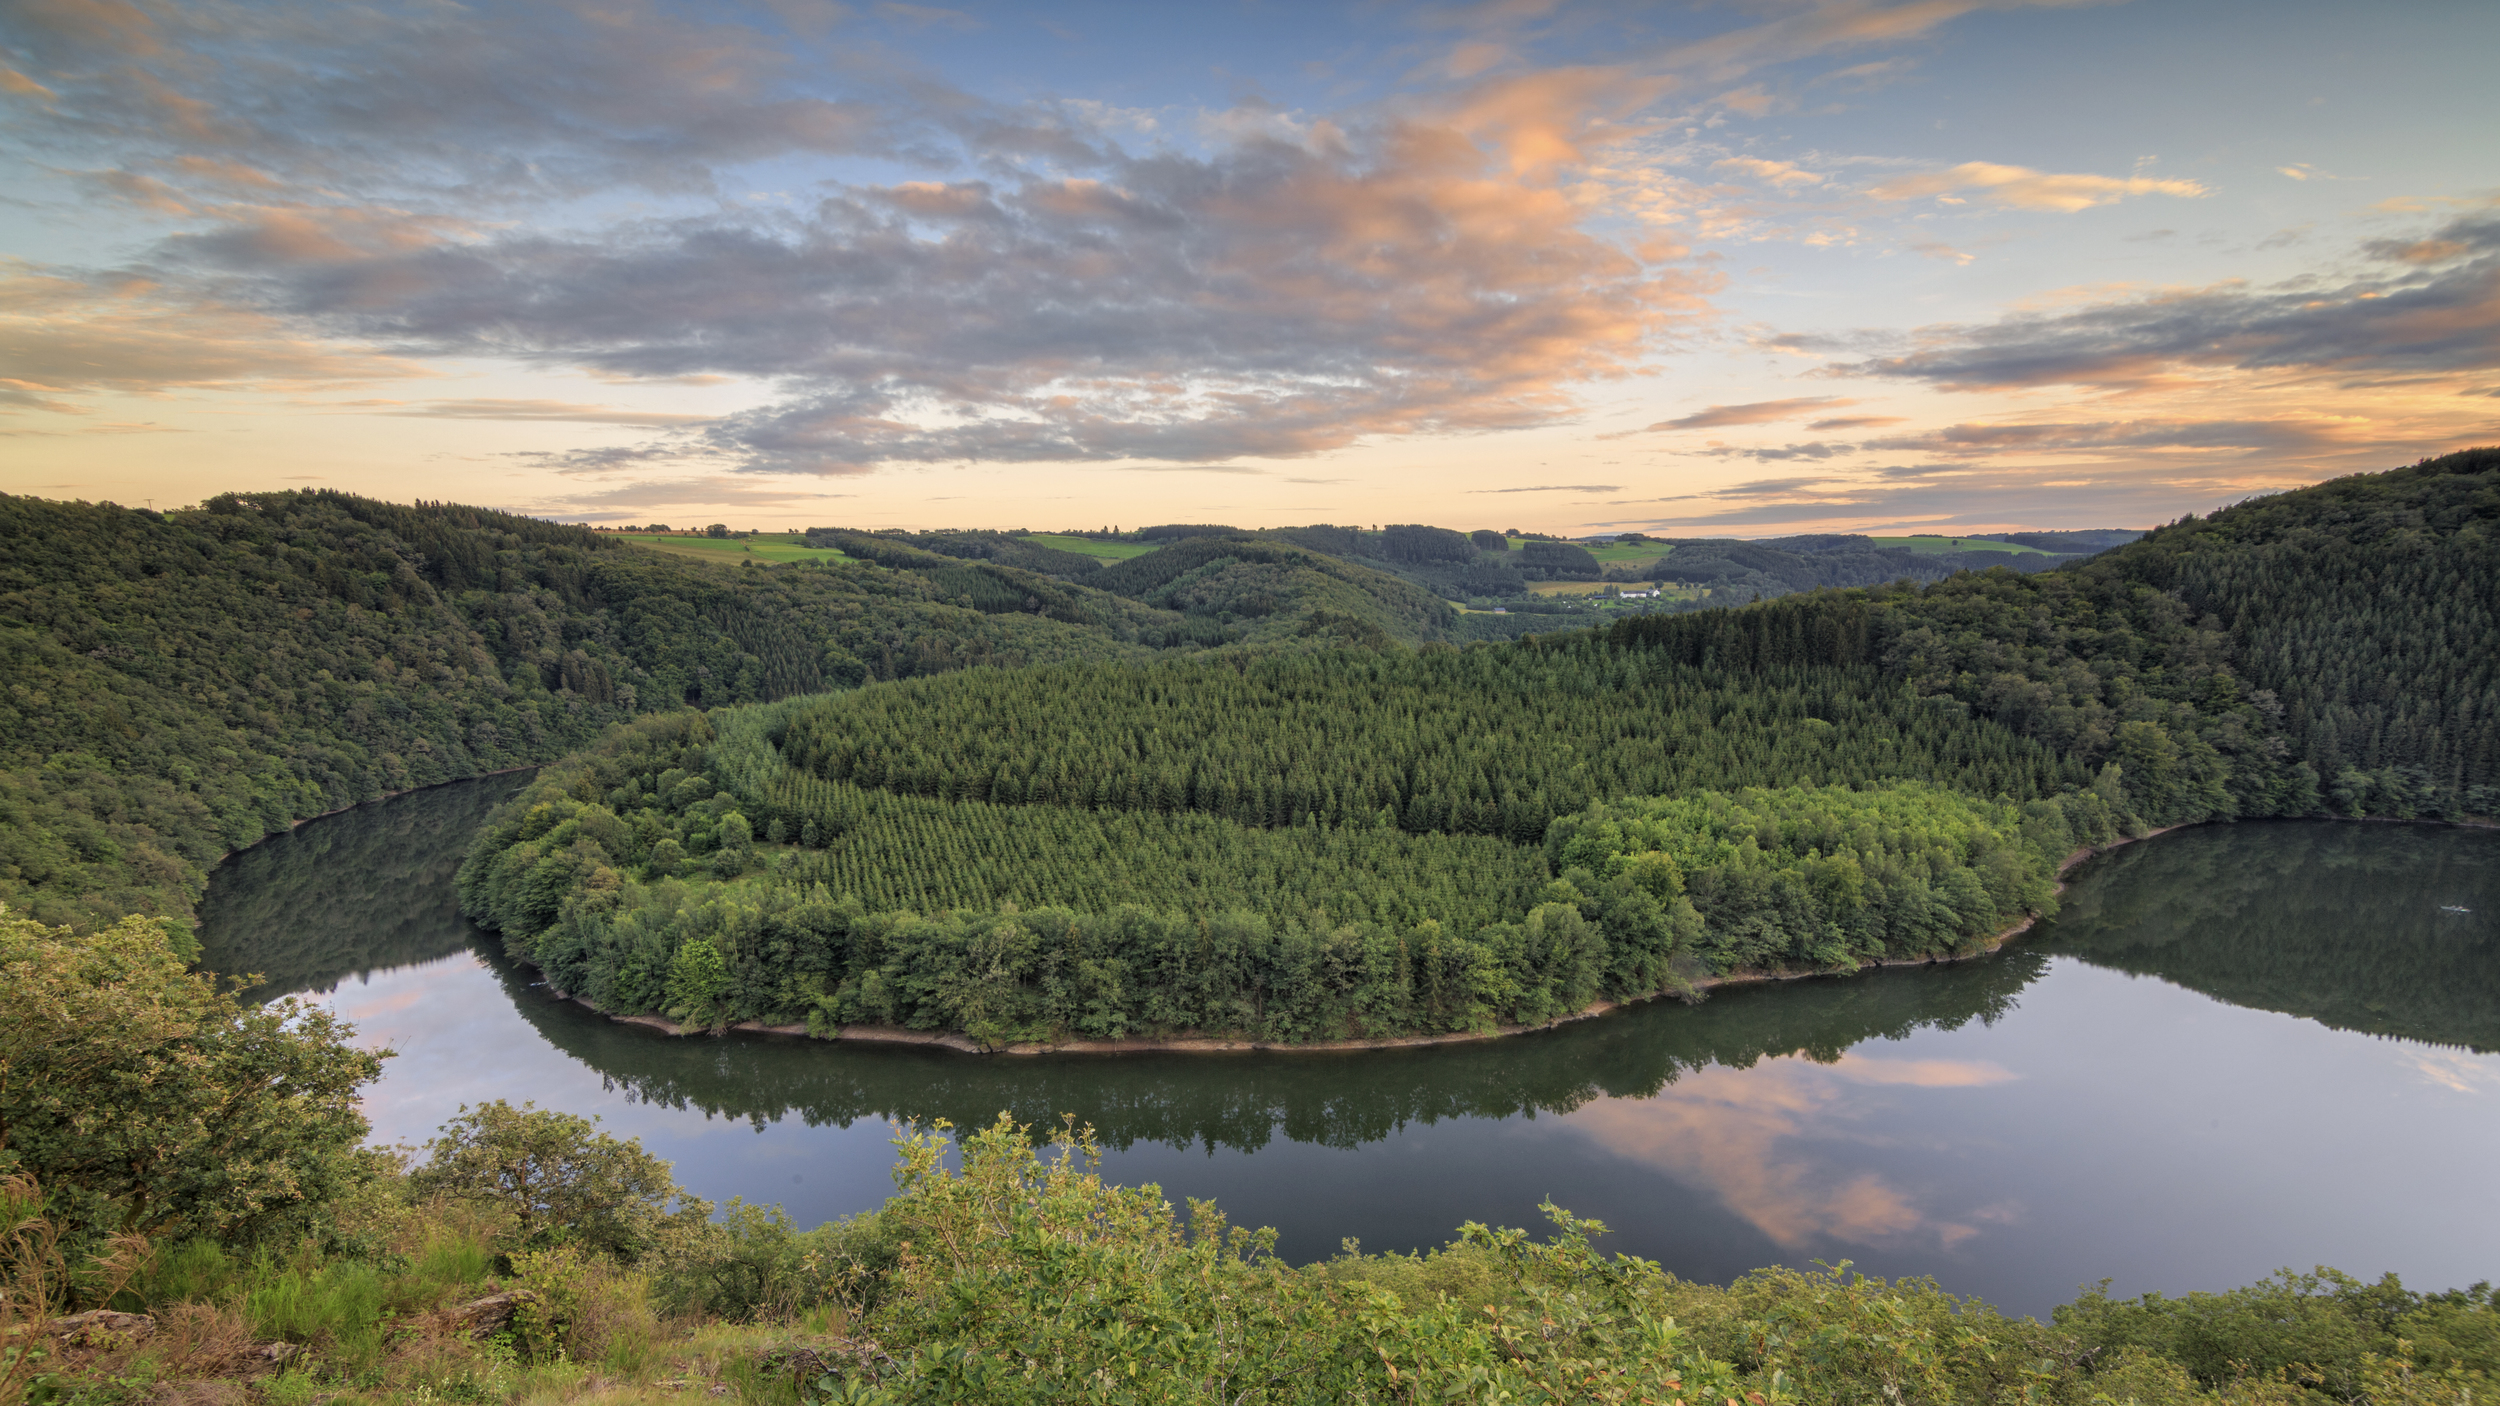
[[294, 825], [1192, 1044]]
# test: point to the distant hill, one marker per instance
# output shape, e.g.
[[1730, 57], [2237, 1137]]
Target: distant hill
[[1278, 592], [181, 684], [1713, 571], [2095, 540]]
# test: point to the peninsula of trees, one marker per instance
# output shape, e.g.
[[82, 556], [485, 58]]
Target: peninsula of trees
[[1356, 843]]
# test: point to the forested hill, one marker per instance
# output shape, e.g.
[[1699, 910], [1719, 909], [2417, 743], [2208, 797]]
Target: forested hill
[[1359, 842], [2335, 647], [1232, 587], [181, 684]]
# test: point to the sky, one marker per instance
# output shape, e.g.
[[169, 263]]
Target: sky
[[1718, 269]]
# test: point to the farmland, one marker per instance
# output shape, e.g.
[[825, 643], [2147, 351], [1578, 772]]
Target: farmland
[[764, 547]]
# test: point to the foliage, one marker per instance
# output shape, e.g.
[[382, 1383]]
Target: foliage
[[558, 1177], [147, 1101], [2329, 648], [2322, 1328], [1003, 1273], [181, 684], [1030, 1280], [1275, 593], [1830, 876], [1302, 933], [1493, 740]]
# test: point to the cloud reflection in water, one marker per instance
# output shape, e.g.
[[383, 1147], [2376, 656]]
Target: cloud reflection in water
[[1771, 1142]]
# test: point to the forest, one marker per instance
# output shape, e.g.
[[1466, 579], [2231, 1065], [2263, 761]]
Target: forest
[[1071, 809], [697, 868], [1276, 845], [181, 684]]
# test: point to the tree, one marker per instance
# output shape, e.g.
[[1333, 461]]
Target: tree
[[561, 1178], [1489, 541], [718, 529], [146, 1100]]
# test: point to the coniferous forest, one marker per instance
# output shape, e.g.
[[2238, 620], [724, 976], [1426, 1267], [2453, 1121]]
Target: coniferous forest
[[1355, 843]]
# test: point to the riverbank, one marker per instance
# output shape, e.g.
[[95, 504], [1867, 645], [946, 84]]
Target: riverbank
[[294, 825], [1195, 1044]]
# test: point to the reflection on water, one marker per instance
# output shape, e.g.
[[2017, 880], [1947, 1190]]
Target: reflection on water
[[1733, 1131], [2014, 1125], [366, 890], [2388, 930]]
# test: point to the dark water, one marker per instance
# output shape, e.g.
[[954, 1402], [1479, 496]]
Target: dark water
[[2239, 1048]]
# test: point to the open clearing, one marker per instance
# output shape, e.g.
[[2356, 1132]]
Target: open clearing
[[1087, 546], [763, 547]]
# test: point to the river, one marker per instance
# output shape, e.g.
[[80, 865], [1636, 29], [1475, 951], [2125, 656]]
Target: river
[[2236, 1049]]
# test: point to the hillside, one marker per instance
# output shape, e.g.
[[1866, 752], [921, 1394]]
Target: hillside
[[1454, 839], [2327, 649], [1488, 570], [181, 684]]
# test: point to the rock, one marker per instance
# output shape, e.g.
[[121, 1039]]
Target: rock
[[809, 1362], [487, 1316], [88, 1329]]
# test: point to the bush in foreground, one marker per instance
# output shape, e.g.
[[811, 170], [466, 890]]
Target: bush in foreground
[[1020, 1276]]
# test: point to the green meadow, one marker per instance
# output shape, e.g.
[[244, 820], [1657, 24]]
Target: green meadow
[[1087, 546], [767, 547]]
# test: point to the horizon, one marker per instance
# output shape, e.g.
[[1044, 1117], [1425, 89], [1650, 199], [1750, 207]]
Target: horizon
[[1948, 267]]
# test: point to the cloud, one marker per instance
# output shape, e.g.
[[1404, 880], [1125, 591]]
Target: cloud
[[539, 410], [34, 395], [1938, 249], [1827, 26], [1557, 488], [365, 177], [1780, 174], [924, 16], [2437, 310], [1267, 300], [2022, 188], [2118, 489], [1758, 412], [67, 333], [1812, 450], [2271, 436], [490, 103], [1856, 422]]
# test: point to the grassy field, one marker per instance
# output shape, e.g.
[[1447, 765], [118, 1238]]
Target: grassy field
[[1087, 546], [1931, 546], [763, 546]]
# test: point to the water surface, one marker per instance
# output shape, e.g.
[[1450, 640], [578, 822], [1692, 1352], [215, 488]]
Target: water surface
[[2238, 1048]]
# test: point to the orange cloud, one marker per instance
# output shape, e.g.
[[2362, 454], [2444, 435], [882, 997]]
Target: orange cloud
[[65, 335], [2023, 188], [1759, 412]]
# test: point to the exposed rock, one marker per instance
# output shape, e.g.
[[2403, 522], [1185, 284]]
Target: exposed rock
[[806, 1362], [272, 1353], [89, 1329], [487, 1316]]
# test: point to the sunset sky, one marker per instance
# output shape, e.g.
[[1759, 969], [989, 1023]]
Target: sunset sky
[[1735, 269]]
